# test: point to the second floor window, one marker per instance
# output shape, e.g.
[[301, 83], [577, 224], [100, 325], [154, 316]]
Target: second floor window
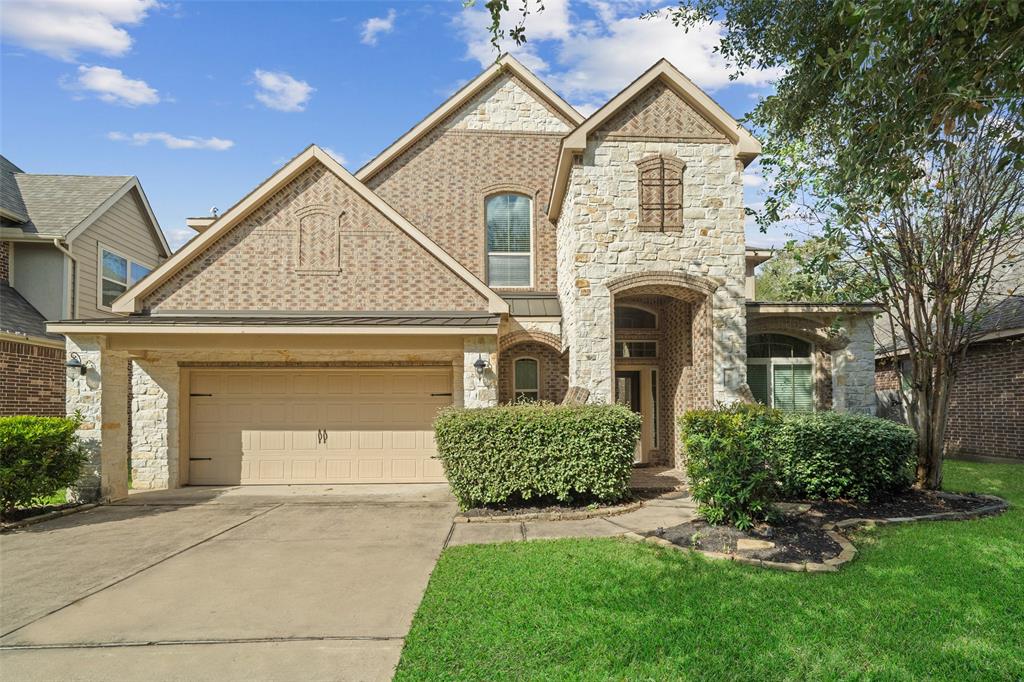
[[117, 273], [509, 240], [660, 194]]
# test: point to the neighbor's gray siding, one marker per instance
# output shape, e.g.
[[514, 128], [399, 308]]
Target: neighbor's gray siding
[[38, 273]]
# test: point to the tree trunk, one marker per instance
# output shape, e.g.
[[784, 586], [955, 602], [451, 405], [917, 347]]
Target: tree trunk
[[927, 411]]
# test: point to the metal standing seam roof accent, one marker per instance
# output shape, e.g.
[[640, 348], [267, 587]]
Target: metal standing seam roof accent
[[534, 305], [349, 320]]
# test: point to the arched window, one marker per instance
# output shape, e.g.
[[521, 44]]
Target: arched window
[[630, 317], [660, 193], [509, 240], [780, 371], [526, 380]]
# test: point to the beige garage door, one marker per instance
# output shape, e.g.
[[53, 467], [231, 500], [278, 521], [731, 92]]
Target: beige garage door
[[315, 426]]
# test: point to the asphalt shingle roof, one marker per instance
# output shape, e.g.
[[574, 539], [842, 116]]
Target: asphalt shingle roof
[[1005, 315], [57, 204], [10, 197], [17, 316]]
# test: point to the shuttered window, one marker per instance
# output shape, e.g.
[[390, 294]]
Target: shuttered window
[[509, 237], [780, 372], [660, 194]]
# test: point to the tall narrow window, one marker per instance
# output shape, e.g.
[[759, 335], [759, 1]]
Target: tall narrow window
[[509, 240], [780, 371], [661, 193], [527, 380]]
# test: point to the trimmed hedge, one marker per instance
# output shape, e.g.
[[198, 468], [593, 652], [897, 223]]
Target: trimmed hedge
[[831, 455], [726, 460], [515, 453], [38, 457], [741, 458]]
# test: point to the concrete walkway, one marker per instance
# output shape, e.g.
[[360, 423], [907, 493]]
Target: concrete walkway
[[279, 583]]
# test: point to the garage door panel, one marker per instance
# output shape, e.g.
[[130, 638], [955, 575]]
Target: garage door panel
[[378, 425]]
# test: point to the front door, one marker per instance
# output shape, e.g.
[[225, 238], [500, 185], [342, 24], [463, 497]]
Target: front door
[[627, 392]]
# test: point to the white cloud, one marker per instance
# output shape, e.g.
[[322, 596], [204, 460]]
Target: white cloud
[[752, 178], [338, 156], [64, 28], [278, 90], [173, 141], [111, 85], [375, 26]]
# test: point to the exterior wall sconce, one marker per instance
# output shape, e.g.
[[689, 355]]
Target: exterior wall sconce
[[75, 363], [480, 365]]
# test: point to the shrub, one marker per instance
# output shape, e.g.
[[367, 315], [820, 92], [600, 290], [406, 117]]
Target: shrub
[[514, 453], [727, 453], [38, 457], [829, 455]]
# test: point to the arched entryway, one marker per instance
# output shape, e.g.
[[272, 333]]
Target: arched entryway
[[663, 355]]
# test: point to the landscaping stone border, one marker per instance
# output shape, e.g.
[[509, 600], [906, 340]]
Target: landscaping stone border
[[55, 514], [554, 516], [848, 551]]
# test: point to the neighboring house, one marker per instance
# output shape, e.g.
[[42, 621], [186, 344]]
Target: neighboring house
[[986, 407], [504, 248], [69, 245]]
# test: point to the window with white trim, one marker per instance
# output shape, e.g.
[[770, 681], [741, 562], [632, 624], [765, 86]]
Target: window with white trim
[[509, 240], [526, 380], [780, 372], [117, 274]]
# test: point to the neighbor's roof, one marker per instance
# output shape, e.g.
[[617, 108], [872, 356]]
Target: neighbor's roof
[[534, 305], [1004, 318], [57, 204], [11, 205], [18, 316]]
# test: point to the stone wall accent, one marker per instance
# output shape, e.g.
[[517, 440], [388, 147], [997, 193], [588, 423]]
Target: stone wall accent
[[507, 104], [659, 113], [442, 181], [256, 265], [599, 240], [552, 365], [853, 368], [31, 379], [477, 390], [102, 398], [154, 410]]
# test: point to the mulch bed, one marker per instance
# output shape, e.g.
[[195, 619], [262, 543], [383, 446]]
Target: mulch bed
[[803, 535]]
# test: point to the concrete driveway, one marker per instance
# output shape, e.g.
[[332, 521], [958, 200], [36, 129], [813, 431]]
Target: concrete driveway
[[268, 583]]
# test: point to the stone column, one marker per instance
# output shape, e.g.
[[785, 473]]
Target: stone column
[[155, 400], [477, 390], [101, 397], [853, 368]]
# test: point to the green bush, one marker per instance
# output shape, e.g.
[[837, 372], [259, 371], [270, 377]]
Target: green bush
[[727, 452], [38, 457], [830, 455], [515, 453]]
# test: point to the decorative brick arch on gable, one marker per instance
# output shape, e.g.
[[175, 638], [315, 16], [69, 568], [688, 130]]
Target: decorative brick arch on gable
[[686, 352]]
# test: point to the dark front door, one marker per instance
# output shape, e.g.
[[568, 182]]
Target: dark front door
[[627, 389]]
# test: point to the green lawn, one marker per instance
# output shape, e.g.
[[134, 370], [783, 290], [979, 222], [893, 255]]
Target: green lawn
[[941, 600]]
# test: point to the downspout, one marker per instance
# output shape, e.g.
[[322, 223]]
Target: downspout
[[74, 275]]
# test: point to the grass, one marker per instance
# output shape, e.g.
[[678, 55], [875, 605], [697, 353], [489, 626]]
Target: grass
[[941, 600]]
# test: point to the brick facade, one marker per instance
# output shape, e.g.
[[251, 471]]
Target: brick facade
[[552, 365], [5, 261], [315, 245], [31, 379], [986, 407], [441, 182]]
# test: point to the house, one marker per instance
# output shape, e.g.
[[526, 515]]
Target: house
[[504, 248], [69, 246]]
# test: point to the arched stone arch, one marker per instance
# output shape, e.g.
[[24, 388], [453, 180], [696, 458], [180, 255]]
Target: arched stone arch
[[676, 283], [823, 338]]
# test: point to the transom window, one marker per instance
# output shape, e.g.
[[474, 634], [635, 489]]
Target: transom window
[[780, 372], [117, 273], [526, 378], [636, 349], [628, 317], [509, 240], [661, 193]]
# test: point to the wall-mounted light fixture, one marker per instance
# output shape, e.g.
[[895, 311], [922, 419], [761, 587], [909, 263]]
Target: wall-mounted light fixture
[[480, 365], [75, 363]]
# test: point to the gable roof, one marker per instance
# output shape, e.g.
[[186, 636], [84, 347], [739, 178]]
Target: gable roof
[[507, 64], [130, 302], [12, 207], [746, 146]]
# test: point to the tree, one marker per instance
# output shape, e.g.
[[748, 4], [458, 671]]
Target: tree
[[897, 129], [789, 275]]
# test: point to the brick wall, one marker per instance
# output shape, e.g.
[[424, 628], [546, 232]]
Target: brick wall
[[986, 409], [316, 245], [553, 367], [5, 261], [31, 379]]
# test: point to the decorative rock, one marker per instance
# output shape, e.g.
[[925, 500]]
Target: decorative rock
[[752, 545]]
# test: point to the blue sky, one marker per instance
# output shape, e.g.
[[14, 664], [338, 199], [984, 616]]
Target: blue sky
[[204, 100]]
